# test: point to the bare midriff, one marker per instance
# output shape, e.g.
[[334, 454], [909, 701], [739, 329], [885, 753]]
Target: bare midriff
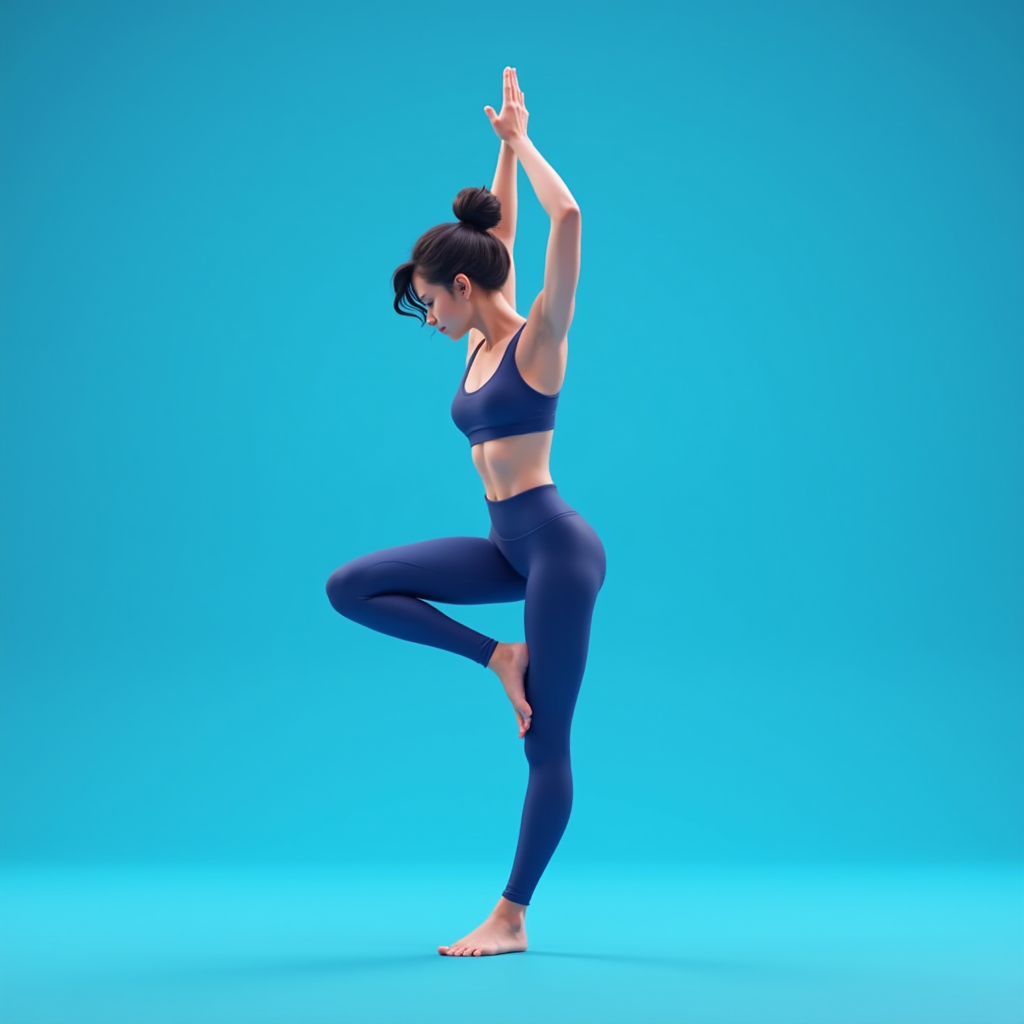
[[510, 465]]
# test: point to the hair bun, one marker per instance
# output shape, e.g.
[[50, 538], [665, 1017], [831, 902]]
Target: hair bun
[[478, 207]]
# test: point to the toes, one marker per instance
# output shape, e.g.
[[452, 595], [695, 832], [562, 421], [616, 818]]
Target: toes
[[459, 950]]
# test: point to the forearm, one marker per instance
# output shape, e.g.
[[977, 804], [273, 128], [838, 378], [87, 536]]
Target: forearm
[[504, 188], [552, 192]]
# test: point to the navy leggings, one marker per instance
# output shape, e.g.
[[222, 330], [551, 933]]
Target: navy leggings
[[541, 551]]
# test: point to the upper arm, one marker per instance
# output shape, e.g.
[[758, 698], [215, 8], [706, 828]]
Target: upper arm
[[561, 274], [508, 289]]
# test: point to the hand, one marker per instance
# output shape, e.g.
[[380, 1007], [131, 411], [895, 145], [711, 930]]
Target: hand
[[510, 124]]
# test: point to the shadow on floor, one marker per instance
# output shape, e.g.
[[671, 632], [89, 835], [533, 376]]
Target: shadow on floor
[[327, 965]]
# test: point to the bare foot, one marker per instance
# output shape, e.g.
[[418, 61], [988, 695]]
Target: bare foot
[[509, 662], [504, 931]]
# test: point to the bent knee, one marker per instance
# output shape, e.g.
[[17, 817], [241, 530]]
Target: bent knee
[[343, 589]]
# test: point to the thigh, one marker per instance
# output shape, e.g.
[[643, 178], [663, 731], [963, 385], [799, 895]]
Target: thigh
[[567, 570], [450, 570]]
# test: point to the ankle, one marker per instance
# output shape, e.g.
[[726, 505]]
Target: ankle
[[509, 912], [498, 655]]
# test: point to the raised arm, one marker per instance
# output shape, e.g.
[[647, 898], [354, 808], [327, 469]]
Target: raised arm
[[557, 299], [504, 188]]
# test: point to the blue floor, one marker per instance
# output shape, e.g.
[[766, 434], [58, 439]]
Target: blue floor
[[655, 945]]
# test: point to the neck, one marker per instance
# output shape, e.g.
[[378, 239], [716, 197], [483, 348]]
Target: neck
[[497, 322]]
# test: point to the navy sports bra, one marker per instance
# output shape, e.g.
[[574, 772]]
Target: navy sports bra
[[505, 404]]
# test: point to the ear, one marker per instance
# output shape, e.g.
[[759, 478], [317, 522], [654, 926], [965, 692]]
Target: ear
[[462, 286]]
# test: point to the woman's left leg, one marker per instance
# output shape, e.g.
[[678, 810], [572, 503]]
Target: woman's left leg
[[566, 571], [389, 591]]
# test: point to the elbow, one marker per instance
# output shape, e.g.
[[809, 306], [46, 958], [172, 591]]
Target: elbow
[[566, 212]]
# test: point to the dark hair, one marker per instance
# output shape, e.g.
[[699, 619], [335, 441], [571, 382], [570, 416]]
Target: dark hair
[[465, 246]]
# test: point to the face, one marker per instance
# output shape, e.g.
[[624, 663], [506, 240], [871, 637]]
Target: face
[[450, 314]]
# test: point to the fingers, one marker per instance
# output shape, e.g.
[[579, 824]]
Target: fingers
[[512, 90]]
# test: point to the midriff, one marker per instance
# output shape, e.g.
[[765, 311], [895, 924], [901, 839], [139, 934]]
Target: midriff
[[510, 465]]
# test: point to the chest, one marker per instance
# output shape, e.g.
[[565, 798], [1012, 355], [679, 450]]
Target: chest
[[541, 365]]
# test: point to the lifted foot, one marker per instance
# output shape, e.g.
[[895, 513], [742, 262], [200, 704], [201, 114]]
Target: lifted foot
[[509, 662]]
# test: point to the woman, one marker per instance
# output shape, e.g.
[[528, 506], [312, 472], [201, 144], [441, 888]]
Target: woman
[[539, 549]]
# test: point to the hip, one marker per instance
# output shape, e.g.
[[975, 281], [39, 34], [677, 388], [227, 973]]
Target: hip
[[540, 522]]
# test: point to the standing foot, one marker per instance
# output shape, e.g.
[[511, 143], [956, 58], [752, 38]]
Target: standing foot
[[504, 931]]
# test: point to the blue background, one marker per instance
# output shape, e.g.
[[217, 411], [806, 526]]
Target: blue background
[[794, 412]]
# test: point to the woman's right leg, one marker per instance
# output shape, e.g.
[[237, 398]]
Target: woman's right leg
[[388, 591]]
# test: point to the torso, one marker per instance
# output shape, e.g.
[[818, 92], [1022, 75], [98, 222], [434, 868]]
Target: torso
[[509, 465]]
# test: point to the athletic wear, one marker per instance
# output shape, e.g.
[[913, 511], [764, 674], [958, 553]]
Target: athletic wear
[[505, 404], [541, 551]]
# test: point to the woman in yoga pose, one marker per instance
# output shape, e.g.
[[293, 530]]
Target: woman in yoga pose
[[539, 550]]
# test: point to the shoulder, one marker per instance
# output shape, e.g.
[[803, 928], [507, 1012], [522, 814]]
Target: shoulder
[[537, 332], [541, 358]]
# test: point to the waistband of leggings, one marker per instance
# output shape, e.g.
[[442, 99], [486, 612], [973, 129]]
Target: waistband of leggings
[[527, 511]]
